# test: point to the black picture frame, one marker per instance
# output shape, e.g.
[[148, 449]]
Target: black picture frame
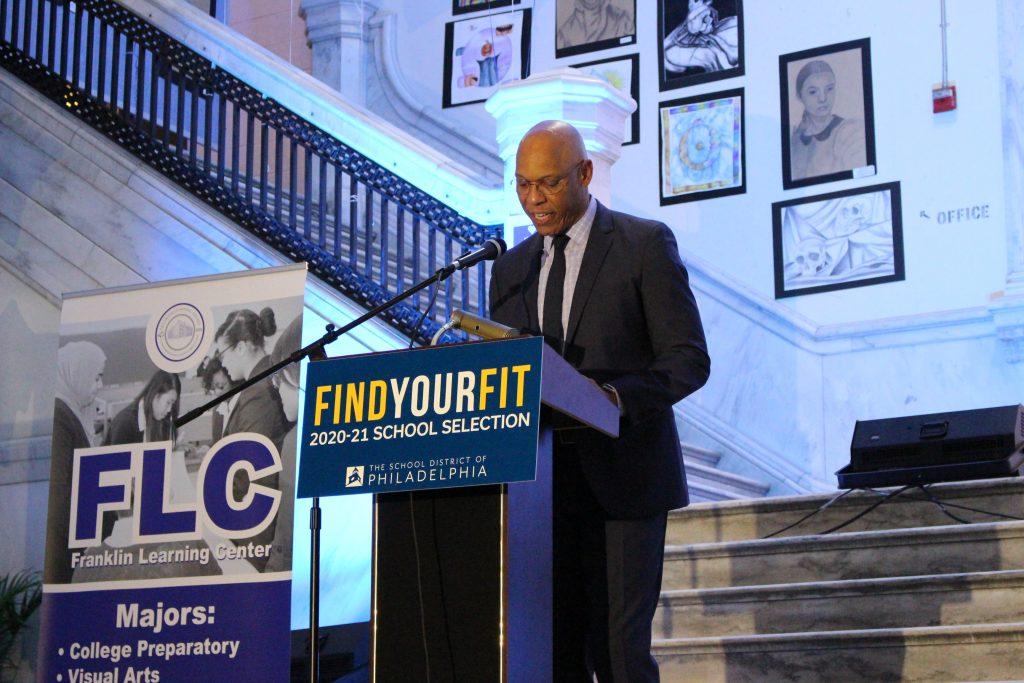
[[689, 109], [634, 89], [595, 45], [486, 7], [796, 251], [672, 14], [824, 165], [523, 45]]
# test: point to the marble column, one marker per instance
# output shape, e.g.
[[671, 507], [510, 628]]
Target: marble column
[[1008, 311], [594, 107], [338, 32]]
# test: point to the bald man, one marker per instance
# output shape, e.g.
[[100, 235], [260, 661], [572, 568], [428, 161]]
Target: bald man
[[608, 291]]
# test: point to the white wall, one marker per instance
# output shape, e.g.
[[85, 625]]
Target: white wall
[[28, 337], [790, 377], [943, 162]]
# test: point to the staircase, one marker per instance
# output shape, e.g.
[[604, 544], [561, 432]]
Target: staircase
[[903, 593], [296, 181], [707, 483]]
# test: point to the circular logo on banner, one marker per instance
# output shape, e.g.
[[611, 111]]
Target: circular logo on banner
[[175, 338]]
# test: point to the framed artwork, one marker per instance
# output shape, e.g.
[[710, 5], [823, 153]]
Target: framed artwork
[[699, 41], [465, 6], [591, 25], [701, 153], [622, 73], [482, 53], [834, 241], [828, 121]]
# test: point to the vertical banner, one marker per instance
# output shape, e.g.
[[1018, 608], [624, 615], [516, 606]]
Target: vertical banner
[[168, 552]]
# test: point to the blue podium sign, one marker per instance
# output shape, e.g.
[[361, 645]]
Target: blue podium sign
[[464, 415]]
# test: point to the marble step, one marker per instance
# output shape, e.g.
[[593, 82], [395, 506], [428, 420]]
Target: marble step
[[891, 602], [692, 454], [706, 483], [962, 548], [934, 653], [750, 519]]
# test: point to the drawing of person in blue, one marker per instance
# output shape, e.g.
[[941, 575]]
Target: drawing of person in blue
[[486, 57]]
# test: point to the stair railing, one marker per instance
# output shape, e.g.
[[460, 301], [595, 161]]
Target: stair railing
[[361, 228]]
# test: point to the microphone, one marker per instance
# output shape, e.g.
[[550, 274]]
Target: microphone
[[480, 327], [488, 251]]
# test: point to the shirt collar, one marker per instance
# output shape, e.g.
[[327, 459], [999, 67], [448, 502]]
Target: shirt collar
[[579, 231]]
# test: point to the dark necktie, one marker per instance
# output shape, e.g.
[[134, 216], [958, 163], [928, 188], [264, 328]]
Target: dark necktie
[[553, 294]]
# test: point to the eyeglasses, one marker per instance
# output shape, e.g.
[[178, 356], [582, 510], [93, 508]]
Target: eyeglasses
[[219, 353], [549, 186]]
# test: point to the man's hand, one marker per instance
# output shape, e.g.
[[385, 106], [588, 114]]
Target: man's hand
[[611, 395]]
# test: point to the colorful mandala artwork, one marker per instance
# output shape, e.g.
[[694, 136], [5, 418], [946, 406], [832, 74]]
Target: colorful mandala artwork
[[702, 146]]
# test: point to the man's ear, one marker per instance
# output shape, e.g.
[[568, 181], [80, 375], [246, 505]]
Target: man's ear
[[586, 172]]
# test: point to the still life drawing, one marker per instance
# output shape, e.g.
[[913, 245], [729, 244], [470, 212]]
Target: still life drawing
[[844, 239], [702, 153], [482, 53]]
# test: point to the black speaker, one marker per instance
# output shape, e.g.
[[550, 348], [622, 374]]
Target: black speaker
[[923, 449]]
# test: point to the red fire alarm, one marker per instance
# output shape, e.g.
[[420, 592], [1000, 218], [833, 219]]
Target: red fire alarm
[[943, 98]]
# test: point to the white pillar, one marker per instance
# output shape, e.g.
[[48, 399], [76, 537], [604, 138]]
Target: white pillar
[[595, 108], [1008, 311], [1011, 72], [338, 32]]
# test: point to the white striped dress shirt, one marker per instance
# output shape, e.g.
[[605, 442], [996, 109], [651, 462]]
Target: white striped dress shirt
[[578, 234]]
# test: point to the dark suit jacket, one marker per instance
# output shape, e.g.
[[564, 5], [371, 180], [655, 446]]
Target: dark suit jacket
[[633, 324], [68, 434], [259, 410], [124, 428]]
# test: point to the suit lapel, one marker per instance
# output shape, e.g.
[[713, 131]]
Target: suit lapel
[[599, 242], [531, 280]]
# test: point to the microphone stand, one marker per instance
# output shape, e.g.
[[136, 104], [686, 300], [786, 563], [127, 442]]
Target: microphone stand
[[315, 352]]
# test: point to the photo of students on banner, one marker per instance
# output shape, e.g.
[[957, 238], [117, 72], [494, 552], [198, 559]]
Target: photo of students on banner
[[109, 395], [185, 518]]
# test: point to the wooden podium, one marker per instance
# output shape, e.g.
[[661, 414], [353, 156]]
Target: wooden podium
[[462, 577]]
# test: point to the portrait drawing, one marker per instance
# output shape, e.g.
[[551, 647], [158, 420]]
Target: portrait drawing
[[827, 114], [591, 25], [466, 6]]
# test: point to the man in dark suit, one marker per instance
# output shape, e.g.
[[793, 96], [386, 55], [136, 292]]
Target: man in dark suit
[[609, 292]]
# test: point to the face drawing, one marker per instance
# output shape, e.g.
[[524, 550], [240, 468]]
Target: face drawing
[[818, 94]]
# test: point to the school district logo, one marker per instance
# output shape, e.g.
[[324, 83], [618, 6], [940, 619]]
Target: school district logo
[[176, 337], [354, 476], [179, 332]]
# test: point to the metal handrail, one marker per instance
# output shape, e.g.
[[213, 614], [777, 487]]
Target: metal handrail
[[361, 228]]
